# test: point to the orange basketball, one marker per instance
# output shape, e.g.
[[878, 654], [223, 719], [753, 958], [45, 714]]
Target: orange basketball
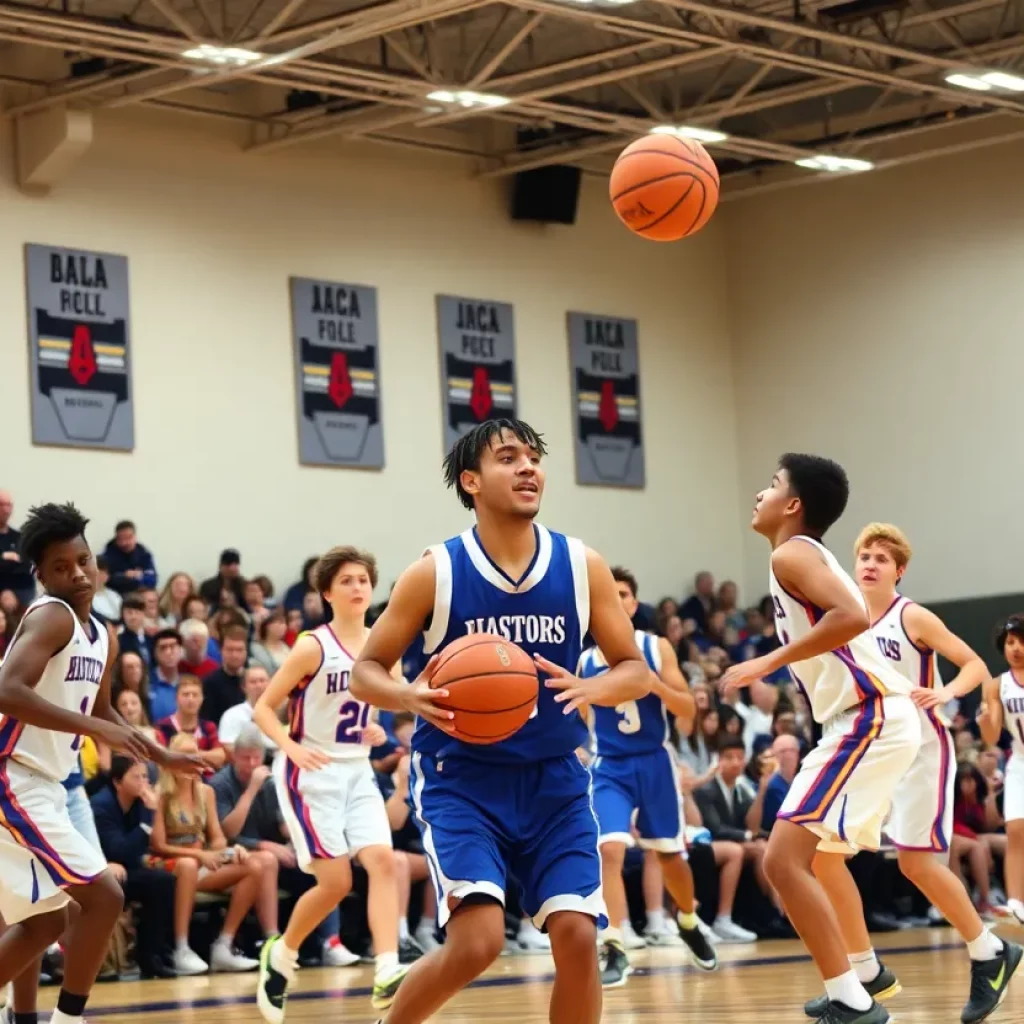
[[491, 684], [664, 187]]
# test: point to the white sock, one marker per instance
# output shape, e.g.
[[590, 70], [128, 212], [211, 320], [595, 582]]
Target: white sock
[[527, 927], [181, 945], [848, 990], [283, 959], [985, 947], [656, 919], [63, 1018], [723, 919], [385, 965], [866, 966], [612, 935], [225, 939], [403, 929], [425, 927]]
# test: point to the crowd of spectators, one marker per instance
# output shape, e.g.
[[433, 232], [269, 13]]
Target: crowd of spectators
[[208, 870]]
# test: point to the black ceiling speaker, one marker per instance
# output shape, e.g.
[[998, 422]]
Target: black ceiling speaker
[[547, 194]]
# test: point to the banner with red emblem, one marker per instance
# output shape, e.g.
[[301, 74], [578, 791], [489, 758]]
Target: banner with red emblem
[[80, 350], [478, 363], [606, 385], [335, 341]]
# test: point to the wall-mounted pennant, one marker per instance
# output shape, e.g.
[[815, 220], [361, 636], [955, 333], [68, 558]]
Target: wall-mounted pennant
[[79, 341], [478, 363], [606, 386], [337, 374]]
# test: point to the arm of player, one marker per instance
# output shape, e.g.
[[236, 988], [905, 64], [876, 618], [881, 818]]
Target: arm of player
[[628, 677], [671, 687], [302, 662], [800, 568], [990, 714], [411, 602], [925, 628]]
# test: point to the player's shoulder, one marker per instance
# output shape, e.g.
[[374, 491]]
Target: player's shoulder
[[48, 616]]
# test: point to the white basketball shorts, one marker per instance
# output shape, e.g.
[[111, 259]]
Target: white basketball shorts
[[332, 812], [845, 786]]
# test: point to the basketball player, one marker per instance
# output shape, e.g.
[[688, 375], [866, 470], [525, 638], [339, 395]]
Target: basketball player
[[54, 689], [922, 809], [522, 804], [1003, 708], [325, 785], [634, 770], [871, 730]]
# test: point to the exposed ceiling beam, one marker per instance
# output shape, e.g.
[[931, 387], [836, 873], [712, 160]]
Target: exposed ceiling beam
[[495, 62]]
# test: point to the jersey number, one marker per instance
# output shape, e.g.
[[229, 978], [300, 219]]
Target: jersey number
[[354, 716], [630, 712]]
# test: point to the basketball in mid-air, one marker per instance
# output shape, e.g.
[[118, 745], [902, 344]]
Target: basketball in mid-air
[[664, 187], [492, 686]]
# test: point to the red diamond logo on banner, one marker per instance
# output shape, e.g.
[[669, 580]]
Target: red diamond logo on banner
[[480, 400], [82, 363], [608, 409], [340, 385]]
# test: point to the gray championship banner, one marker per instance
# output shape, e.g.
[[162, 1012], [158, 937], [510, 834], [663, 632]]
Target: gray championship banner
[[337, 374], [478, 363], [606, 392], [80, 349]]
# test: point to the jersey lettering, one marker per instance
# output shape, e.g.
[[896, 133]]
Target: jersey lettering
[[889, 647], [337, 681], [780, 612], [518, 629], [84, 670], [1015, 705]]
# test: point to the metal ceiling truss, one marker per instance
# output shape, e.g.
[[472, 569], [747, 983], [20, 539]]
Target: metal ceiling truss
[[593, 77]]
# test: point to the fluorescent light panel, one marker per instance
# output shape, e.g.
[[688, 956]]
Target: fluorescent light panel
[[222, 54], [467, 98], [986, 81], [683, 131], [834, 164]]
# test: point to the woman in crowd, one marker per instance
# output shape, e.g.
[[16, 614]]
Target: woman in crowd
[[177, 590], [131, 673], [271, 648], [255, 601], [131, 708], [974, 815]]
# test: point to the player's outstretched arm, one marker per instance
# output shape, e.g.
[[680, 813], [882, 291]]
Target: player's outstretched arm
[[671, 686], [410, 604], [926, 629], [990, 715]]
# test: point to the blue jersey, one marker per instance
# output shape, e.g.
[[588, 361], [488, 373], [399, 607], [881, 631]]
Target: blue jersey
[[546, 612], [635, 726]]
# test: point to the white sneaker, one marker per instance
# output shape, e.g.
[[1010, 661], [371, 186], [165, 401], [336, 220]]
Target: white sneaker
[[630, 939], [665, 935], [224, 958], [338, 955], [727, 930], [531, 940], [187, 961], [425, 939]]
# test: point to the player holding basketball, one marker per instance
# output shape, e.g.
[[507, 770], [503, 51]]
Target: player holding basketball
[[54, 689], [1003, 707], [922, 805], [634, 770], [325, 784], [522, 804], [871, 729]]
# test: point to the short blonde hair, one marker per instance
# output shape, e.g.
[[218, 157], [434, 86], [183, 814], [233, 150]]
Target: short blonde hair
[[892, 537]]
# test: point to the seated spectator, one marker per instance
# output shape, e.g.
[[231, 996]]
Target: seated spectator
[[15, 576], [131, 708], [123, 811], [151, 608], [195, 642], [177, 590], [254, 681], [312, 611], [130, 564], [294, 595], [296, 625], [224, 619], [713, 634], [229, 577], [724, 803], [271, 648], [130, 673], [778, 771], [187, 839], [250, 816], [252, 593], [974, 819], [699, 750], [185, 719], [758, 715], [106, 601], [696, 608], [131, 637], [5, 637], [223, 689], [726, 602], [163, 681]]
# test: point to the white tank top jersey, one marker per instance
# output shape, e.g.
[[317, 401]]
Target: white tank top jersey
[[1011, 693], [919, 665], [322, 713], [71, 681], [843, 678]]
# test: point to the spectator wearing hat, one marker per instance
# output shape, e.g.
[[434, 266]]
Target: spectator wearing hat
[[229, 577]]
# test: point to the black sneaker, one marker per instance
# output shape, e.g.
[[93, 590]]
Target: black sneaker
[[615, 967], [989, 979], [272, 987], [409, 951], [703, 953], [884, 987], [840, 1013]]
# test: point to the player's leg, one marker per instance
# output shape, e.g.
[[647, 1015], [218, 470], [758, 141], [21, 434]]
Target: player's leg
[[24, 1008], [576, 996], [24, 941], [1013, 813]]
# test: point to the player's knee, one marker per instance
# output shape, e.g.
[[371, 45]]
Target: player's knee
[[777, 864], [379, 862], [914, 864], [477, 950], [613, 856], [106, 895], [573, 938]]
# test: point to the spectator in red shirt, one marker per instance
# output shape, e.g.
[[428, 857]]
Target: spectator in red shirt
[[195, 642], [186, 720]]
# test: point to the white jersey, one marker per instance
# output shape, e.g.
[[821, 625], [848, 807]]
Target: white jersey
[[843, 678], [1011, 693], [71, 681], [322, 713], [919, 665]]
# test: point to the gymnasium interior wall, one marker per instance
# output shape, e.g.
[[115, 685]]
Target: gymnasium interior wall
[[213, 234]]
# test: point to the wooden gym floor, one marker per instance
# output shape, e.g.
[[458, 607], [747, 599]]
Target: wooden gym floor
[[766, 982]]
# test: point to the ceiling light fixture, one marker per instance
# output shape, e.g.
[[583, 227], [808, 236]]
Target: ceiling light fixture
[[834, 164], [986, 81], [222, 55], [467, 98], [683, 131]]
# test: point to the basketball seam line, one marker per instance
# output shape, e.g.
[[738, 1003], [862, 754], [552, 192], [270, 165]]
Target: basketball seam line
[[480, 675], [496, 711], [466, 647], [672, 209], [674, 156], [651, 181]]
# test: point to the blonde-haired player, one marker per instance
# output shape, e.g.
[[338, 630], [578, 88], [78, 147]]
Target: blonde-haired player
[[921, 821], [1003, 707]]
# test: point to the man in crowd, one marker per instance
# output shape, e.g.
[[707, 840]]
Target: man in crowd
[[229, 577], [223, 689], [185, 718], [130, 563], [254, 681], [195, 642], [131, 637], [777, 774], [106, 602], [163, 681], [699, 605], [15, 573]]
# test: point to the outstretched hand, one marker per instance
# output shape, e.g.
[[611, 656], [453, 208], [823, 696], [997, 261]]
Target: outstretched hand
[[575, 693]]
